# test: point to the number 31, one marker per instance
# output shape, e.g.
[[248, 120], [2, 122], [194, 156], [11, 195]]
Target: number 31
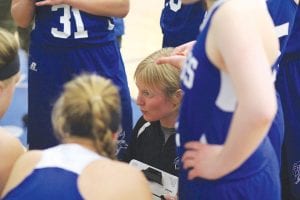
[[65, 20]]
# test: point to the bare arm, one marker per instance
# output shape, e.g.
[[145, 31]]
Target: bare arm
[[22, 12], [249, 67], [10, 150], [250, 72], [22, 168], [111, 8], [178, 56], [117, 181]]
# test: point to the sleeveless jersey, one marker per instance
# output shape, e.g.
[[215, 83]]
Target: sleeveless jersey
[[66, 42], [64, 25], [180, 23], [56, 174], [206, 111], [288, 86], [283, 14], [293, 43]]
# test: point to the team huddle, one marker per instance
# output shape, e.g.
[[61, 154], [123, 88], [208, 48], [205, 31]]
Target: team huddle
[[219, 102]]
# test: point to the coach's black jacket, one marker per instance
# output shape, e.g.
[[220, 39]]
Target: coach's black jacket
[[148, 146]]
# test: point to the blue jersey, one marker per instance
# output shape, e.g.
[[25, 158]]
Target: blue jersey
[[56, 174], [63, 25], [293, 43], [180, 23], [206, 112], [66, 42], [283, 14], [288, 86]]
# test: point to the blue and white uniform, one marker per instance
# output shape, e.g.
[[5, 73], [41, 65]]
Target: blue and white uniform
[[288, 86], [180, 23], [283, 14], [56, 174], [64, 43], [207, 108]]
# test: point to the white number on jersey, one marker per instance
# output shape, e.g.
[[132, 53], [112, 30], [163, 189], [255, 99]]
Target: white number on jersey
[[175, 6], [65, 20], [188, 71]]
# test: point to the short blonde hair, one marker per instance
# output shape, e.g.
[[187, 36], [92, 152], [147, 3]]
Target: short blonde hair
[[163, 76], [89, 107]]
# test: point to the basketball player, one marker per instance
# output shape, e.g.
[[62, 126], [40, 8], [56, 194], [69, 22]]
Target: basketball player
[[238, 161], [70, 37], [86, 118]]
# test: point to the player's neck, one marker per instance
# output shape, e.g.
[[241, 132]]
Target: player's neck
[[85, 142]]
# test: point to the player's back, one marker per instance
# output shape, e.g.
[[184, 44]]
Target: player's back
[[55, 175]]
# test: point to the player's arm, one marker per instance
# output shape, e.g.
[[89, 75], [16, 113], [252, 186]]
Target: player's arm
[[10, 150], [22, 12], [116, 180], [111, 8], [248, 62], [178, 56]]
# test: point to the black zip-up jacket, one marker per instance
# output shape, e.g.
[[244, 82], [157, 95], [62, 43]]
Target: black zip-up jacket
[[148, 146]]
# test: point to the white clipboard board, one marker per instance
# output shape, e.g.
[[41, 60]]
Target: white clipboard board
[[169, 182]]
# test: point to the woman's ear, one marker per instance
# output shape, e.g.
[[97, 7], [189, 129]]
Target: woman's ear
[[1, 88], [178, 95], [115, 136], [177, 98]]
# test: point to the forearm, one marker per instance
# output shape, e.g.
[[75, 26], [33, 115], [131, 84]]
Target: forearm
[[245, 134], [22, 12], [111, 8]]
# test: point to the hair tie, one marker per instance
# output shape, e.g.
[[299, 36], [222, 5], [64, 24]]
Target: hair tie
[[10, 69]]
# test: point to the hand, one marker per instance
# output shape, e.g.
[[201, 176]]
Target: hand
[[178, 55], [174, 60], [184, 49], [202, 160], [169, 197], [49, 2]]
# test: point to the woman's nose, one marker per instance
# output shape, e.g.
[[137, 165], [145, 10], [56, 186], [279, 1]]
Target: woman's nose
[[139, 100]]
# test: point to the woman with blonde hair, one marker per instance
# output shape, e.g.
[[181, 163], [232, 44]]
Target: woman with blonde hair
[[10, 147], [86, 119], [159, 97]]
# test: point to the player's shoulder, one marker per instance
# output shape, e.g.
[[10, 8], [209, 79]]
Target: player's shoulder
[[114, 178], [237, 8], [233, 14], [9, 142]]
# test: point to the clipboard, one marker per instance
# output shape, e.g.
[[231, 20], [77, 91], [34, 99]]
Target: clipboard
[[160, 182]]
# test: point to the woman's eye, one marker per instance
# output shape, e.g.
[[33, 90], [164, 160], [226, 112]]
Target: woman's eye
[[146, 94]]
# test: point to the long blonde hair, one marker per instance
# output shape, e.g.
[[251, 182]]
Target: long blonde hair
[[89, 107]]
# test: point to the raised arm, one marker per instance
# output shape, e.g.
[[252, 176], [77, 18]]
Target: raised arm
[[22, 12], [111, 8]]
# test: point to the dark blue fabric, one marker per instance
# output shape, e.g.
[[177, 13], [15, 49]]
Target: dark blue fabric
[[180, 23], [288, 85], [199, 114], [47, 184], [55, 66], [69, 22]]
